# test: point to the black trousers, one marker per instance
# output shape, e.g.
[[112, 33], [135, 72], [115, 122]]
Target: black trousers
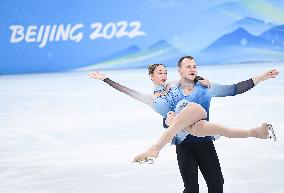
[[190, 156]]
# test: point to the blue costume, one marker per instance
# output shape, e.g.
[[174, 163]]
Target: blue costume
[[174, 100], [200, 95], [192, 152]]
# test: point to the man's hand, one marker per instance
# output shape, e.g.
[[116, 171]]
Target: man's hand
[[205, 83], [98, 75], [265, 76]]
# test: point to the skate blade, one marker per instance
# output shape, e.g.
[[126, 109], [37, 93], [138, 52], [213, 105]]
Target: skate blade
[[271, 132], [148, 160]]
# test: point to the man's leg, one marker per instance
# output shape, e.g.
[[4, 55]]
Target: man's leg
[[188, 167], [209, 166]]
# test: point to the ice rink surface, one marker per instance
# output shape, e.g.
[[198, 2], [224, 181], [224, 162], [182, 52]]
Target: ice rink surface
[[67, 133]]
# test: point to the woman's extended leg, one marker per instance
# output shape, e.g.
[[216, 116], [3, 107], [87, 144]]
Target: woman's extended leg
[[186, 117], [189, 115], [205, 128]]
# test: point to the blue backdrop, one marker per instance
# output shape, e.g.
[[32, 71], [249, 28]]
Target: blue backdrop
[[51, 36]]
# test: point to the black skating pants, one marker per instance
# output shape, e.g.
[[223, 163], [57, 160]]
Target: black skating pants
[[190, 156]]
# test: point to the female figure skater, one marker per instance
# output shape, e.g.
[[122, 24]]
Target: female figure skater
[[189, 118]]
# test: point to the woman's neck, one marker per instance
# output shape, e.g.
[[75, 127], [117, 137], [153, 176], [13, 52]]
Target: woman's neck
[[157, 85], [159, 90]]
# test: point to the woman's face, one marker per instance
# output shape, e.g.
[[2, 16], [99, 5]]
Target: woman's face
[[159, 76]]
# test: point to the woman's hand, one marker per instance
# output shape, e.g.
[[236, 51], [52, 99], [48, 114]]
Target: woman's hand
[[205, 83], [158, 94], [98, 75], [265, 76], [170, 117]]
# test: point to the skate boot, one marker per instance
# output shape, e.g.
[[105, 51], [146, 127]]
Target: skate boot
[[265, 131], [148, 160], [260, 132], [271, 132], [147, 157]]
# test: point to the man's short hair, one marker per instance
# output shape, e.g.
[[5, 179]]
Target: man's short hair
[[182, 58]]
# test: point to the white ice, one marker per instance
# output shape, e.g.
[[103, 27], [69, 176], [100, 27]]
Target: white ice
[[67, 133]]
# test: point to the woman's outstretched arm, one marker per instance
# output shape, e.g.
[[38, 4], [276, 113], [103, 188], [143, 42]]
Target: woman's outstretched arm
[[147, 99]]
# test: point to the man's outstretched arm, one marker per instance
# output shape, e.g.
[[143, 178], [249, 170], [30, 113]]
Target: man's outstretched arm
[[231, 90]]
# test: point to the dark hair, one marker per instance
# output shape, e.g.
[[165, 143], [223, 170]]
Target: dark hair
[[152, 67], [182, 58]]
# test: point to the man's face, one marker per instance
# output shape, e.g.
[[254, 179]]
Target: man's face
[[188, 69]]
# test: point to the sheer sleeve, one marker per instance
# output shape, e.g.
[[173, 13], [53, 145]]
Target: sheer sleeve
[[147, 99], [244, 86], [231, 90]]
